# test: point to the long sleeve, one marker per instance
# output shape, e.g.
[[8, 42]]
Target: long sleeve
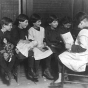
[[47, 38], [1, 40], [15, 36], [1, 45]]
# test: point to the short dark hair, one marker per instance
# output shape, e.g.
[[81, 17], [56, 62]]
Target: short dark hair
[[52, 18], [85, 16], [78, 17], [34, 17], [21, 18], [5, 21], [65, 20]]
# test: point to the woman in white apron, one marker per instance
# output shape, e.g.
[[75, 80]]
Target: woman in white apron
[[76, 57]]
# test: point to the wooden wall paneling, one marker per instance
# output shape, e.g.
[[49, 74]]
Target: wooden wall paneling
[[85, 5], [9, 8], [24, 6], [20, 6], [78, 6], [0, 10], [29, 7], [58, 7], [15, 9]]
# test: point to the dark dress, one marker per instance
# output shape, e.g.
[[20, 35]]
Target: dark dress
[[53, 40]]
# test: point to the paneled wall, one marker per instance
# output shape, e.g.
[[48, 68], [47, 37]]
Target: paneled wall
[[78, 5], [9, 8], [58, 7], [85, 6]]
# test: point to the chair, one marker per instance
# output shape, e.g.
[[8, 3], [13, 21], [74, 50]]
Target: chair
[[75, 74]]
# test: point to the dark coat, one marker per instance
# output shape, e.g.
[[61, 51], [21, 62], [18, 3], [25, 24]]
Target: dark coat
[[52, 37], [18, 34]]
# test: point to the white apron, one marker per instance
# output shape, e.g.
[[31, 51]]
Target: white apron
[[38, 36], [77, 61], [24, 46], [38, 54]]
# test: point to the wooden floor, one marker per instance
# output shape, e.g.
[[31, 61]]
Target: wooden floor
[[42, 83]]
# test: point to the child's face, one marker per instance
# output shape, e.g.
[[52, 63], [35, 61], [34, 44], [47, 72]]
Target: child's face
[[8, 27], [67, 25], [24, 24], [83, 23], [37, 23], [54, 24]]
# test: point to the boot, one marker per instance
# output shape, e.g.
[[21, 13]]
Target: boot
[[15, 73], [31, 73], [8, 77], [37, 73], [47, 74]]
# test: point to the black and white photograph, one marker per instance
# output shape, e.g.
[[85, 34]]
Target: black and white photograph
[[43, 43]]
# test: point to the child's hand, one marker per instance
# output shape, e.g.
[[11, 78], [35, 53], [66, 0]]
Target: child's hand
[[41, 45], [17, 51], [68, 46], [42, 49], [53, 45], [6, 55], [2, 51], [5, 40], [24, 41]]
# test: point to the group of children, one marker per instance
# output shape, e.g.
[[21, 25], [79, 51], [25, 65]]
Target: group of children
[[19, 41]]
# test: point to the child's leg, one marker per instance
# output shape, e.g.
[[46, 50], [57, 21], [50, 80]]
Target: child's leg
[[60, 72], [48, 62], [12, 62], [5, 71], [31, 62], [30, 68], [3, 63], [47, 71], [37, 62]]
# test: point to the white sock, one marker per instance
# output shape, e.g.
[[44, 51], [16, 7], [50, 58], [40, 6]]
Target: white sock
[[59, 79]]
